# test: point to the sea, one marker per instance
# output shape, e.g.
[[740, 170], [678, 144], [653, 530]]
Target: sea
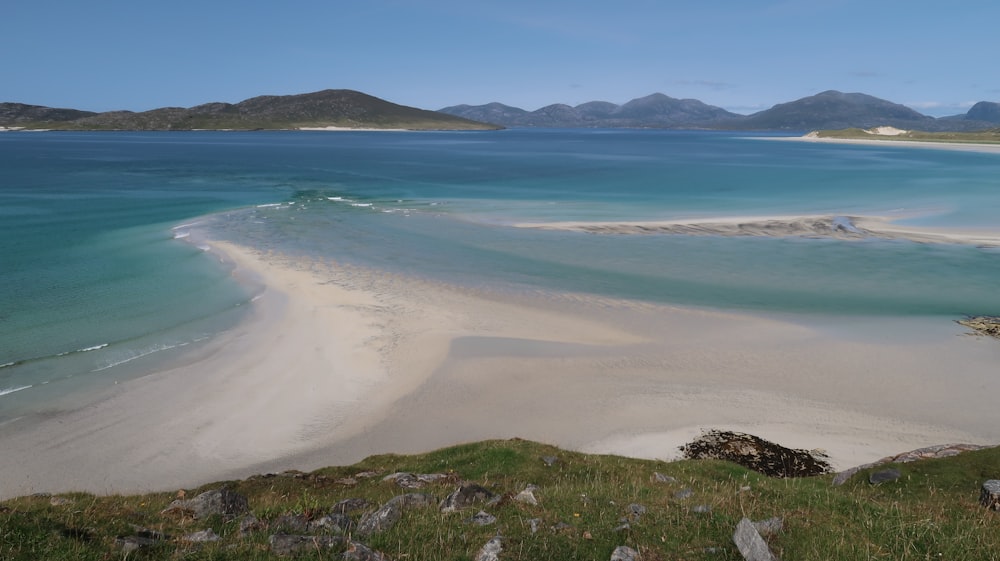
[[106, 271]]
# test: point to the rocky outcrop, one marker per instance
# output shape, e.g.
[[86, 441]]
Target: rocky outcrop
[[757, 454], [930, 452], [983, 325], [222, 502], [989, 495]]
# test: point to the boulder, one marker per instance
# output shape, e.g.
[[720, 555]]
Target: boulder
[[482, 518], [223, 502], [751, 545], [465, 496], [884, 476], [203, 536], [989, 495], [624, 553], [490, 551], [388, 514], [357, 551], [284, 544], [527, 496]]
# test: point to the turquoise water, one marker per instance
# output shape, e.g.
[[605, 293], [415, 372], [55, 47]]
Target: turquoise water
[[97, 288]]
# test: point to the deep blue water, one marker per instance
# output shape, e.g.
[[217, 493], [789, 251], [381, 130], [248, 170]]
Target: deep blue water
[[88, 258]]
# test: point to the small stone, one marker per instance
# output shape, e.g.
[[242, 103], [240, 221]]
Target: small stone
[[636, 509], [203, 536], [623, 527], [534, 523], [624, 553], [527, 496], [989, 496], [702, 509], [560, 526], [357, 551], [465, 496], [660, 478], [550, 460], [490, 551], [482, 518], [684, 494], [884, 476], [587, 535]]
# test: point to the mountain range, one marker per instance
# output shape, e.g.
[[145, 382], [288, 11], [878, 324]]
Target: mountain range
[[827, 110], [351, 109], [327, 108]]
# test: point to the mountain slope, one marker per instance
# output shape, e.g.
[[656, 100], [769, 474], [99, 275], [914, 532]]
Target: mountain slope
[[836, 110]]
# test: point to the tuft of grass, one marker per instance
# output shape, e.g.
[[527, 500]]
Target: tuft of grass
[[584, 502]]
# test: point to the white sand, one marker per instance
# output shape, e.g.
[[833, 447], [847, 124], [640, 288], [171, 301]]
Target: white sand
[[337, 364], [958, 146]]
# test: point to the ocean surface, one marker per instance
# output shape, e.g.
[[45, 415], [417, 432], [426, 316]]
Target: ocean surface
[[103, 278]]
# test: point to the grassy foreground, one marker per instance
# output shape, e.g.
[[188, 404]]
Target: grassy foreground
[[931, 512]]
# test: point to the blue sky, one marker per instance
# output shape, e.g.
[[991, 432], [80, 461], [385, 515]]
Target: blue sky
[[743, 55]]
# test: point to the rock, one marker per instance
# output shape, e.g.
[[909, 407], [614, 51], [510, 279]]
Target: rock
[[624, 553], [388, 514], [534, 523], [250, 524], [751, 545], [223, 502], [939, 451], [769, 527], [60, 501], [143, 538], [465, 496], [416, 481], [550, 460], [561, 526], [490, 551], [660, 478], [701, 509], [984, 325], [635, 510], [884, 476], [482, 518], [757, 454], [527, 496], [357, 551], [203, 536], [989, 495], [623, 527], [348, 506], [284, 544], [290, 524], [333, 523], [684, 494]]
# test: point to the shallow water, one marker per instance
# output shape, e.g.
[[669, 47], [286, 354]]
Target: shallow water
[[98, 287]]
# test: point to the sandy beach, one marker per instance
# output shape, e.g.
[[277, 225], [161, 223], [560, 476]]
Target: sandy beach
[[959, 146], [336, 364]]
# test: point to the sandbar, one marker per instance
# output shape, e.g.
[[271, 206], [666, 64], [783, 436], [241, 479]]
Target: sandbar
[[337, 363]]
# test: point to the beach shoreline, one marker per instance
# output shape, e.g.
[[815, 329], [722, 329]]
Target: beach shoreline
[[926, 144], [337, 363]]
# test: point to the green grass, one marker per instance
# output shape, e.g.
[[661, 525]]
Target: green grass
[[991, 136], [932, 512]]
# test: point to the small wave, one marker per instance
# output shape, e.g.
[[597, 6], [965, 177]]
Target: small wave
[[181, 235], [335, 198], [94, 348], [140, 354], [269, 205], [12, 390], [187, 225], [361, 204], [6, 364]]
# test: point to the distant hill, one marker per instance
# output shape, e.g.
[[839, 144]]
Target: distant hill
[[653, 111], [827, 110], [327, 108]]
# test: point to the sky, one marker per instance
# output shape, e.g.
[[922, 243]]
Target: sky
[[743, 55]]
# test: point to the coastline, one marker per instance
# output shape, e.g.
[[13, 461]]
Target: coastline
[[957, 146], [336, 364]]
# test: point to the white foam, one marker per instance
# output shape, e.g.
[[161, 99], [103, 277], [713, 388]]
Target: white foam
[[269, 205], [6, 364], [335, 198], [361, 204], [181, 235], [140, 354], [12, 390], [94, 348]]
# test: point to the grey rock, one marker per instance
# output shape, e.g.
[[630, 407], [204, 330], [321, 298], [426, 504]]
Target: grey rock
[[624, 553], [989, 495], [388, 514], [333, 523], [527, 496], [769, 527], [623, 527], [348, 506], [415, 480], [128, 544], [490, 551], [357, 551], [550, 460], [203, 536], [884, 476], [702, 509], [482, 518], [750, 543], [636, 509], [684, 494], [284, 544], [560, 526], [465, 496], [250, 524], [534, 523], [223, 502], [290, 524], [660, 478]]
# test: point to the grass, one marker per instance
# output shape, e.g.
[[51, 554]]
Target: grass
[[932, 512], [991, 136]]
